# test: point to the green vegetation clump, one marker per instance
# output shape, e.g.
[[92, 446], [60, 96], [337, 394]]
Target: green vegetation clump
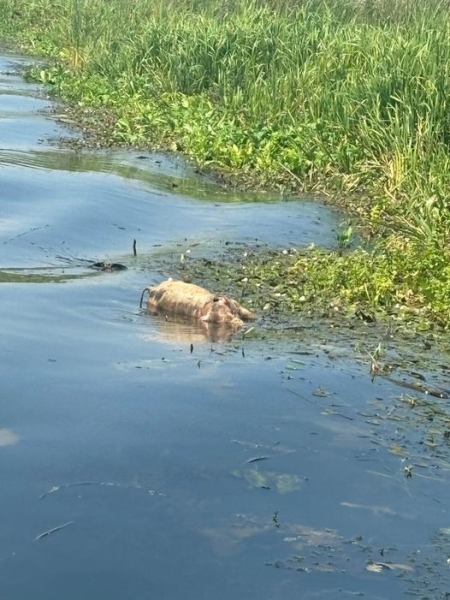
[[380, 282], [348, 97]]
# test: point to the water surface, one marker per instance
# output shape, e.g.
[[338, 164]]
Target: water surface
[[133, 467]]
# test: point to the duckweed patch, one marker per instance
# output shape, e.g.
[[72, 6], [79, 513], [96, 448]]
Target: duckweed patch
[[282, 483]]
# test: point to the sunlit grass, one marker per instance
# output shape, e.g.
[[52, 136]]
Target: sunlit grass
[[347, 96], [323, 92]]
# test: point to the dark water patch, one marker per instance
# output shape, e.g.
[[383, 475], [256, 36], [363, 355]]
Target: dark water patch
[[20, 100], [68, 268], [18, 137], [11, 82], [47, 159], [38, 275], [14, 105]]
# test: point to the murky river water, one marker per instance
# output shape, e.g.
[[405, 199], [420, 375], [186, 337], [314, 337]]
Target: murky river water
[[133, 468]]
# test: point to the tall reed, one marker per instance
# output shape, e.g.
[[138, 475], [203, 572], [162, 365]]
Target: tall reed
[[348, 95], [353, 91]]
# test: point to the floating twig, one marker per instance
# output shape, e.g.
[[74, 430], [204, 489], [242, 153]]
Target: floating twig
[[57, 488], [50, 531], [256, 459]]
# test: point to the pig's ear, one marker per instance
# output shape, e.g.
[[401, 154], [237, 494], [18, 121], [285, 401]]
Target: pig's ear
[[228, 302], [245, 314], [221, 300]]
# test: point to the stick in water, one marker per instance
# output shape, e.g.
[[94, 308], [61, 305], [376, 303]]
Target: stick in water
[[50, 531]]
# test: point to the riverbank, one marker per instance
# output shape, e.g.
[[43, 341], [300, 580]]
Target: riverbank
[[350, 100]]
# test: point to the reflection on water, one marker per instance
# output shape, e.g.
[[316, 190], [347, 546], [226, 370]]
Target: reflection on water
[[182, 331], [185, 468], [154, 170], [8, 437], [96, 216], [40, 275]]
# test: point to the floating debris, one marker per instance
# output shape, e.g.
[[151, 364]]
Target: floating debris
[[133, 486], [256, 459], [379, 567], [107, 266], [284, 483], [51, 531]]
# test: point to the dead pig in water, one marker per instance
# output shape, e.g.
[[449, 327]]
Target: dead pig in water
[[189, 300]]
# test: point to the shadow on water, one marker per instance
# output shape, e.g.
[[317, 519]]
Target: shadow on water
[[141, 459]]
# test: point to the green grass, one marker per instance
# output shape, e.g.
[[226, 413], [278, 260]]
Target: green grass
[[351, 97]]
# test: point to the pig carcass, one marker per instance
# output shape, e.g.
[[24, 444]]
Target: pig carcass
[[189, 300]]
